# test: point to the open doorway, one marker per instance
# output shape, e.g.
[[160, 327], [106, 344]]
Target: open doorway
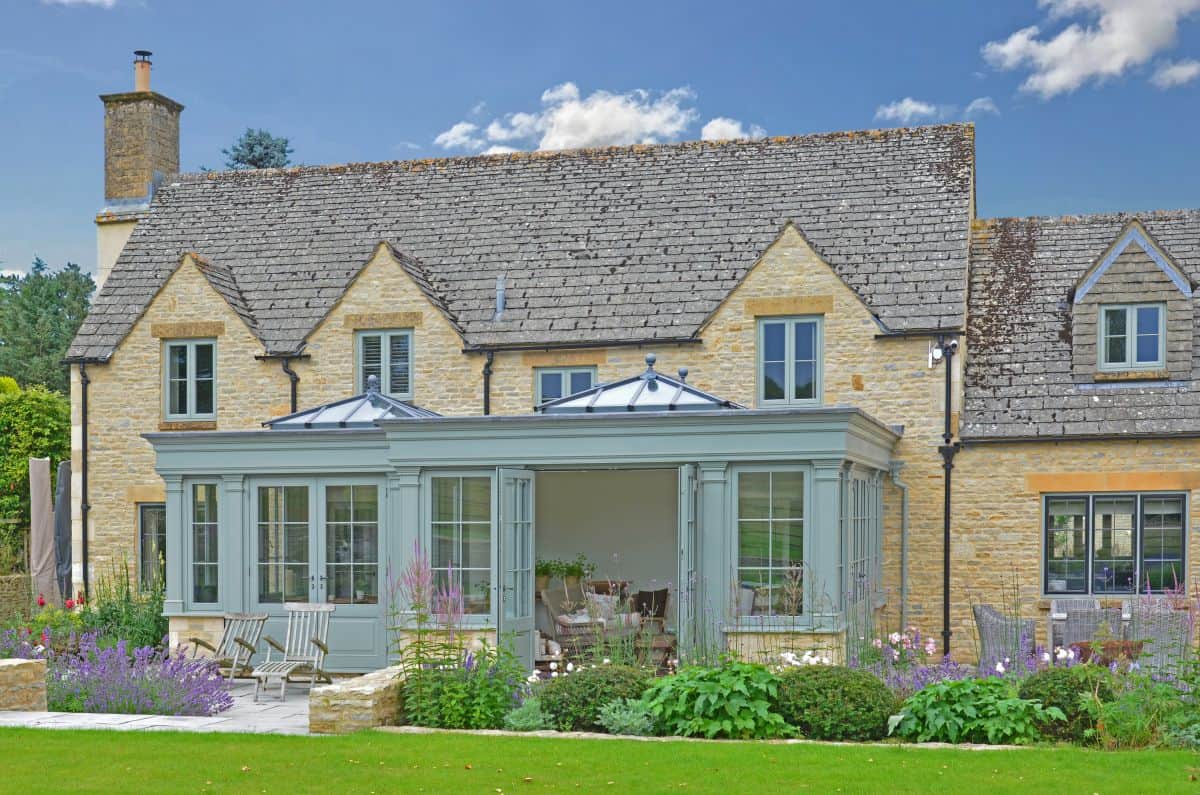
[[624, 522]]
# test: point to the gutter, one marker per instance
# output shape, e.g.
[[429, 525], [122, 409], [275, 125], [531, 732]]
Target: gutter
[[968, 441], [895, 472], [285, 361], [487, 382], [567, 346]]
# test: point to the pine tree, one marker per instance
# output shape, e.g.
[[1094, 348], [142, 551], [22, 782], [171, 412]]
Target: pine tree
[[39, 315], [257, 149]]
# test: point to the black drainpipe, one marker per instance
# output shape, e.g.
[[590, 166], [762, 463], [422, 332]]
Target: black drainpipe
[[489, 357], [294, 378], [949, 448], [84, 507]]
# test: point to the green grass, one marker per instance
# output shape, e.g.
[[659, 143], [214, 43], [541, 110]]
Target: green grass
[[109, 761]]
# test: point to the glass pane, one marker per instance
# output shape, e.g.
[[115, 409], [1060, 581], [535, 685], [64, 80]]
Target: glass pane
[[445, 499], [477, 546], [338, 543], [787, 543], [366, 504], [204, 361], [370, 360], [297, 543], [773, 381], [1147, 320], [754, 543], [366, 543], [551, 386], [787, 495], [204, 502], [477, 591], [805, 341], [269, 507], [204, 397], [297, 503], [399, 353], [477, 499], [1147, 348], [806, 381], [177, 362], [366, 585], [1113, 544], [337, 504], [774, 342], [295, 583], [178, 394], [270, 542], [204, 583], [1114, 322], [754, 495], [1114, 350], [443, 553], [581, 380], [340, 584]]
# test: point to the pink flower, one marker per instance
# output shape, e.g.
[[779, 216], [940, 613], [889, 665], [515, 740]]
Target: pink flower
[[877, 643], [894, 638], [930, 647]]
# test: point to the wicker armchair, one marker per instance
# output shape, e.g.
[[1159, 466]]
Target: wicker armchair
[[1000, 636]]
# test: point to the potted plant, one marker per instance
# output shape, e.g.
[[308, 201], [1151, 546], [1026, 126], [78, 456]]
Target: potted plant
[[544, 571], [575, 570]]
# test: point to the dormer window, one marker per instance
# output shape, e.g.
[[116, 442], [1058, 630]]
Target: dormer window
[[1132, 337]]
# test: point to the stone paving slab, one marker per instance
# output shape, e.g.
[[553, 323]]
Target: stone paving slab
[[269, 717]]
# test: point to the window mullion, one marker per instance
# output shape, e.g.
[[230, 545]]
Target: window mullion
[[190, 375], [789, 363]]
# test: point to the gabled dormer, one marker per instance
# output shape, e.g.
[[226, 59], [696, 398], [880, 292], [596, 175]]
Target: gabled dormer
[[1132, 314]]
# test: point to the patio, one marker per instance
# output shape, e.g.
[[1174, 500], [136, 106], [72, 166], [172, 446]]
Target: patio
[[269, 717]]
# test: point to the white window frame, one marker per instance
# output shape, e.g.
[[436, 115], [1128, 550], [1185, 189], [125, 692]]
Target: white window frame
[[385, 361], [190, 345], [1130, 362], [789, 387], [565, 372]]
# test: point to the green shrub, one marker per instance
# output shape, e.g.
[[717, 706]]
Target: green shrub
[[830, 702], [1140, 714], [478, 693], [119, 610], [732, 700], [971, 711], [573, 701], [1069, 689], [627, 716], [528, 717]]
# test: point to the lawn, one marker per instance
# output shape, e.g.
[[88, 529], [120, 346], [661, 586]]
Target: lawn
[[98, 761]]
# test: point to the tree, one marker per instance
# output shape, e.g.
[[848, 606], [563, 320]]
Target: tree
[[39, 315], [257, 149], [34, 423]]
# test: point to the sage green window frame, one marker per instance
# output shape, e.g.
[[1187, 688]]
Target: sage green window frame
[[790, 361], [361, 561], [1130, 361], [190, 379], [567, 374], [776, 621], [386, 365], [475, 620], [205, 554]]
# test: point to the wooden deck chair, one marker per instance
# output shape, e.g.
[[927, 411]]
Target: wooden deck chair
[[302, 653], [238, 644]]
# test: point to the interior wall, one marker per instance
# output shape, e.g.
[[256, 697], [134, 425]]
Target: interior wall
[[629, 514]]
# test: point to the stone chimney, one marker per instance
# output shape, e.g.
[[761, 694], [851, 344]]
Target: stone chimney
[[141, 147]]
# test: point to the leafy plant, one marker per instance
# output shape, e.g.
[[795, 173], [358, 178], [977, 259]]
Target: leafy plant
[[1071, 690], [971, 711], [257, 149], [573, 701], [580, 567], [1138, 716], [732, 700], [119, 610], [40, 312], [548, 568], [528, 717], [829, 702], [34, 423], [477, 694], [627, 716]]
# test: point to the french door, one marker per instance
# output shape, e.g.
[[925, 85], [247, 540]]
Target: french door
[[515, 562], [320, 541]]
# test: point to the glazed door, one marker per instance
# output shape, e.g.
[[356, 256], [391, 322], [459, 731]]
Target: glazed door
[[685, 597], [515, 558], [350, 514], [283, 548]]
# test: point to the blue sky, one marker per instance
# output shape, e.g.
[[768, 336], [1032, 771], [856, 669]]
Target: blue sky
[[1080, 105]]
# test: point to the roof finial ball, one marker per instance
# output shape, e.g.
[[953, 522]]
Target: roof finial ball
[[651, 358], [683, 371], [372, 384]]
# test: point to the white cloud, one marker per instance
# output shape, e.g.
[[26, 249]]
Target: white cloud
[[478, 108], [980, 106], [408, 145], [499, 149], [569, 120], [1176, 73], [92, 3], [1124, 34], [723, 128], [908, 110], [460, 136]]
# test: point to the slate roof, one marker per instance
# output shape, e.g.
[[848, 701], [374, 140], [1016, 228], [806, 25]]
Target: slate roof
[[597, 246], [1018, 380]]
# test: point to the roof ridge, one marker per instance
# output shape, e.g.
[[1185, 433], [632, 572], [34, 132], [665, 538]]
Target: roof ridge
[[231, 291], [1112, 216], [878, 133]]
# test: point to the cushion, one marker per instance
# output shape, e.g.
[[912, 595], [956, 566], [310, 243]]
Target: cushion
[[578, 617], [603, 606]]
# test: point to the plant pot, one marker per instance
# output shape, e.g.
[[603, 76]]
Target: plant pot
[[571, 583], [542, 581], [746, 596], [1107, 652]]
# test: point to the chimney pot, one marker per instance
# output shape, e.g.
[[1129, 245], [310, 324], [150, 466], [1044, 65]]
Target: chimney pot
[[141, 70]]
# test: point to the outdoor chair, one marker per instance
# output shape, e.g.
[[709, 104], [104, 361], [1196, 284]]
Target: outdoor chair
[[577, 624], [1000, 636], [302, 653], [238, 644], [1081, 620]]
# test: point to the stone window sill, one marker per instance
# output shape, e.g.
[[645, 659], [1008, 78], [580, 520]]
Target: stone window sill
[[188, 425], [1133, 375]]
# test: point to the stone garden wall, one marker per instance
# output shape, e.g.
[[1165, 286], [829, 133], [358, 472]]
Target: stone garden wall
[[23, 685], [363, 702], [16, 596]]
